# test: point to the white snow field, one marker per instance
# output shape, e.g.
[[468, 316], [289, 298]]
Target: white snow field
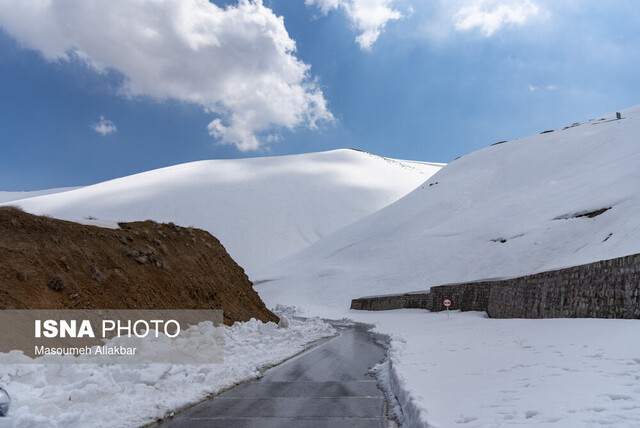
[[525, 192], [261, 209], [472, 371], [507, 210], [120, 395]]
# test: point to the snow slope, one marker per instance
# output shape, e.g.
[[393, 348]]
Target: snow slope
[[507, 210], [261, 209], [16, 196]]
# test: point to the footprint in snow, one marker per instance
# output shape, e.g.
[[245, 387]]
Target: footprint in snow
[[530, 414], [465, 419], [627, 408], [616, 397]]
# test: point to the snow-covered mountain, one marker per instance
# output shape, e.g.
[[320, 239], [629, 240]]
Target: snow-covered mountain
[[261, 209], [16, 196], [557, 199]]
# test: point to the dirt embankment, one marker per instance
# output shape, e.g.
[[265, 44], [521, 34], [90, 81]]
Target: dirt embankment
[[53, 264]]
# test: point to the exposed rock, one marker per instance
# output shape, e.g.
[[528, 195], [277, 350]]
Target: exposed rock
[[56, 283], [96, 275]]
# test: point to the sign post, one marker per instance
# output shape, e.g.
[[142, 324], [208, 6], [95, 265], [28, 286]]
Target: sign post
[[446, 303]]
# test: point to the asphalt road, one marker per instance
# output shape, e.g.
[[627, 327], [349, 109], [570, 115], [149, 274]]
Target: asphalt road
[[327, 386]]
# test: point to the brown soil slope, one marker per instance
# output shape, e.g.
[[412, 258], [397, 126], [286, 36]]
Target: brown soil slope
[[54, 264]]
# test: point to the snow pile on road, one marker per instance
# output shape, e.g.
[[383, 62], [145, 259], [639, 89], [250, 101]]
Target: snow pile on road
[[89, 395], [261, 209], [473, 371], [553, 200]]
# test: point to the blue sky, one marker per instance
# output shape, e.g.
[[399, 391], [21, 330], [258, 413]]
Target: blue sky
[[189, 80]]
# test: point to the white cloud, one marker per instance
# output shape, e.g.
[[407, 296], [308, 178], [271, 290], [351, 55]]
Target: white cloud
[[489, 16], [368, 16], [325, 5], [237, 62], [534, 88], [435, 20], [104, 126]]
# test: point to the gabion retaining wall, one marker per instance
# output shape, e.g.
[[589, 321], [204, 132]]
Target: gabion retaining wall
[[604, 289]]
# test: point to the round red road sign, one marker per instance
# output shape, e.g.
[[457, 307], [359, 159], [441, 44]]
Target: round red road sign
[[446, 303]]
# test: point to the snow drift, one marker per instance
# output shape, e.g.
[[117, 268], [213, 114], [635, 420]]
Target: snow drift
[[261, 209], [557, 199]]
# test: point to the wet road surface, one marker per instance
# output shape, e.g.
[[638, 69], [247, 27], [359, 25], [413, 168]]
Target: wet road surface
[[327, 386]]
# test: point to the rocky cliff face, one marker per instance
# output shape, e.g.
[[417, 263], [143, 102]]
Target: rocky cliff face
[[53, 264]]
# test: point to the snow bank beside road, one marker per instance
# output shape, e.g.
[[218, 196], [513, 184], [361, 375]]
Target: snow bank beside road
[[473, 371], [132, 395]]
